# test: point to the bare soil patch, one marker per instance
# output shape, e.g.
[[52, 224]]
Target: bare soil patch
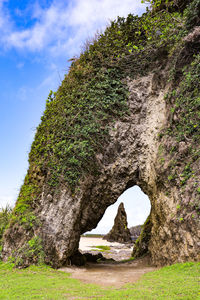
[[109, 273]]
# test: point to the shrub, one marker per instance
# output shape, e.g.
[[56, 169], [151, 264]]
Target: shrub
[[5, 214], [193, 14]]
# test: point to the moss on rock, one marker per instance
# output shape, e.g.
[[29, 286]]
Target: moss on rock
[[141, 245]]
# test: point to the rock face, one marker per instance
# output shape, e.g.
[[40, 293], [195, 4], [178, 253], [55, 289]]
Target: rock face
[[131, 158], [135, 231], [155, 145], [119, 232]]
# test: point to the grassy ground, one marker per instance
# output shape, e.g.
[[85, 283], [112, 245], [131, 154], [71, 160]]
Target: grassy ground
[[180, 281], [101, 248]]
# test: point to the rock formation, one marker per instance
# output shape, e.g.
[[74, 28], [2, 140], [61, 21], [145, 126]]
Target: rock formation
[[135, 231], [119, 232], [125, 115]]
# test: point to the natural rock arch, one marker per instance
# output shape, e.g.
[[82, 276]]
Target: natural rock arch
[[137, 207], [130, 159], [134, 154]]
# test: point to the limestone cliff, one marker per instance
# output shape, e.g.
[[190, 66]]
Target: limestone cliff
[[127, 113]]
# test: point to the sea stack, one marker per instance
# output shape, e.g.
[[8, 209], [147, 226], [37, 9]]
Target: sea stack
[[119, 232]]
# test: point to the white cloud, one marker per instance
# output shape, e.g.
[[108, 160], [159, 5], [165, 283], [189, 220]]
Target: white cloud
[[7, 200], [22, 93], [5, 21], [87, 12], [62, 27], [52, 81], [20, 65]]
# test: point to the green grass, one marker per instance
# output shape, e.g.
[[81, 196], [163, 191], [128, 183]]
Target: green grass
[[179, 281], [102, 248], [127, 260]]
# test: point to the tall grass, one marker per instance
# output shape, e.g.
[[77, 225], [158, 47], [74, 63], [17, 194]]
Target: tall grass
[[5, 214]]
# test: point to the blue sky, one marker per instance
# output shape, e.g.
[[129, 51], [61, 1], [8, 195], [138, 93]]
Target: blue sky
[[37, 38]]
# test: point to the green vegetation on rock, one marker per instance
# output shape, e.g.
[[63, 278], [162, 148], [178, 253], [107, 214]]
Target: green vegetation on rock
[[185, 102], [141, 245], [5, 215], [78, 117], [32, 250], [181, 139], [93, 94]]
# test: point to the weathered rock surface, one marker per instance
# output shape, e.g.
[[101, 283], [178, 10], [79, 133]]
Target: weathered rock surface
[[119, 232], [132, 156], [130, 159], [135, 231]]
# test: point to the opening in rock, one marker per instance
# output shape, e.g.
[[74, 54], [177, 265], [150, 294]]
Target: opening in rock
[[137, 206]]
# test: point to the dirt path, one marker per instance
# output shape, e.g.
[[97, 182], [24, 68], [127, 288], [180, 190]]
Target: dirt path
[[110, 274]]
